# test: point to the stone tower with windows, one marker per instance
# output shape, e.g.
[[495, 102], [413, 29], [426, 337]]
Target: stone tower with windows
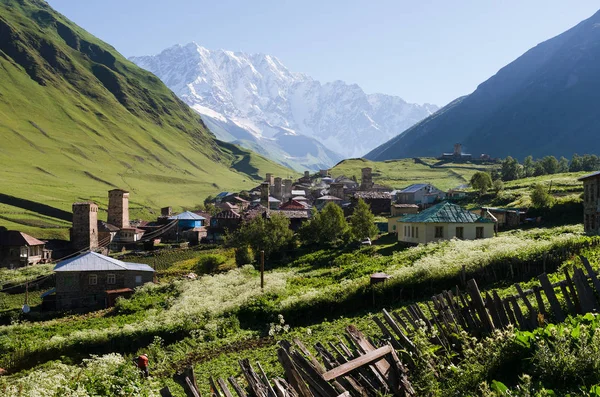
[[366, 182], [118, 208], [84, 232]]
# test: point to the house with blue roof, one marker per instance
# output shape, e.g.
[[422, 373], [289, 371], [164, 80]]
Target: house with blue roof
[[93, 280], [420, 194], [188, 220], [443, 221]]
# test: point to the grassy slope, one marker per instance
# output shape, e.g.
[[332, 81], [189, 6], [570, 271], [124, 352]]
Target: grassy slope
[[77, 119], [404, 172]]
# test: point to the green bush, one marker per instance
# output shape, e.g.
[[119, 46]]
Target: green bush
[[210, 263], [244, 256]]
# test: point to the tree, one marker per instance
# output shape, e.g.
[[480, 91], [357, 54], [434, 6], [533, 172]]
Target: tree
[[481, 181], [362, 221], [563, 165], [498, 186], [540, 198], [550, 164], [326, 227], [528, 166], [270, 235], [539, 169], [511, 169], [209, 200], [576, 164]]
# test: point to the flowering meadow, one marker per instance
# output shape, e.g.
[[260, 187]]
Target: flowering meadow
[[218, 318]]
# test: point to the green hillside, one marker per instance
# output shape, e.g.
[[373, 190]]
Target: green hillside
[[78, 119], [404, 172]]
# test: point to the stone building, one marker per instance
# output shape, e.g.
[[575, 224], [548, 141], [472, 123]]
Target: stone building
[[366, 181], [89, 279], [84, 232], [118, 208], [591, 202], [379, 202]]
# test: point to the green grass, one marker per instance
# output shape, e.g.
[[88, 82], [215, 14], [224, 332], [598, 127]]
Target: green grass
[[404, 172], [78, 119]]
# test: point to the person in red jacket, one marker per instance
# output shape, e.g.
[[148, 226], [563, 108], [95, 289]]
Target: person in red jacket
[[142, 363]]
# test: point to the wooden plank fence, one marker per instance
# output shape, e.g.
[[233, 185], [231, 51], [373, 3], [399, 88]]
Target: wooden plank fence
[[359, 366]]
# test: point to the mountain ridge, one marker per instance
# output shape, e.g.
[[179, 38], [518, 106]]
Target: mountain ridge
[[540, 104], [77, 119], [258, 94]]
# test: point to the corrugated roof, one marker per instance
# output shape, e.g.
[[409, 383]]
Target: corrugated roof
[[444, 212], [414, 188], [329, 198], [298, 193], [187, 216], [95, 262], [273, 200], [592, 175]]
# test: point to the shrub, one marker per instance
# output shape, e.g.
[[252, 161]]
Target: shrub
[[244, 256], [210, 263]]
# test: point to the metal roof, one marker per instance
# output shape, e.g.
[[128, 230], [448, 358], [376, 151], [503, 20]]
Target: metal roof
[[444, 212], [594, 174], [329, 198], [95, 262], [298, 192], [188, 216], [414, 188]]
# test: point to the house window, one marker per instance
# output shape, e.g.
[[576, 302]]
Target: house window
[[111, 279], [460, 232], [412, 231], [138, 279], [479, 232], [417, 230], [93, 279], [439, 231]]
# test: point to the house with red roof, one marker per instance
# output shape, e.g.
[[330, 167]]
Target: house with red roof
[[18, 249]]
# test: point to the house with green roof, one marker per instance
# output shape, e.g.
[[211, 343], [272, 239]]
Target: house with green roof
[[443, 221]]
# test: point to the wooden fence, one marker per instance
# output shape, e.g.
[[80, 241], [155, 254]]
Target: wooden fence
[[358, 366]]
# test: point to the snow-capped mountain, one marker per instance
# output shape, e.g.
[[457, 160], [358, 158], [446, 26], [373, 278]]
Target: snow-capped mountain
[[253, 99]]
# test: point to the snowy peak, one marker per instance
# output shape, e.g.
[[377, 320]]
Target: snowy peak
[[260, 95]]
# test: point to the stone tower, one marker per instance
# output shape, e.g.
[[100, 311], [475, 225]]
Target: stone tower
[[336, 190], [264, 194], [118, 208], [457, 149], [84, 233], [278, 189], [366, 181], [269, 179], [287, 189]]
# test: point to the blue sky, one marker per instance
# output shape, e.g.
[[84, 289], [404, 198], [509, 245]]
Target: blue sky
[[422, 50]]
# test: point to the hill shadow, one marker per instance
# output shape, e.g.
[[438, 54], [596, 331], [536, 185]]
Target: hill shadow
[[36, 207]]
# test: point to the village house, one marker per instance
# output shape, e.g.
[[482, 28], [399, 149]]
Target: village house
[[443, 221], [190, 227], [380, 202], [420, 194], [398, 211], [224, 222], [504, 217], [18, 249], [92, 280], [591, 202]]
